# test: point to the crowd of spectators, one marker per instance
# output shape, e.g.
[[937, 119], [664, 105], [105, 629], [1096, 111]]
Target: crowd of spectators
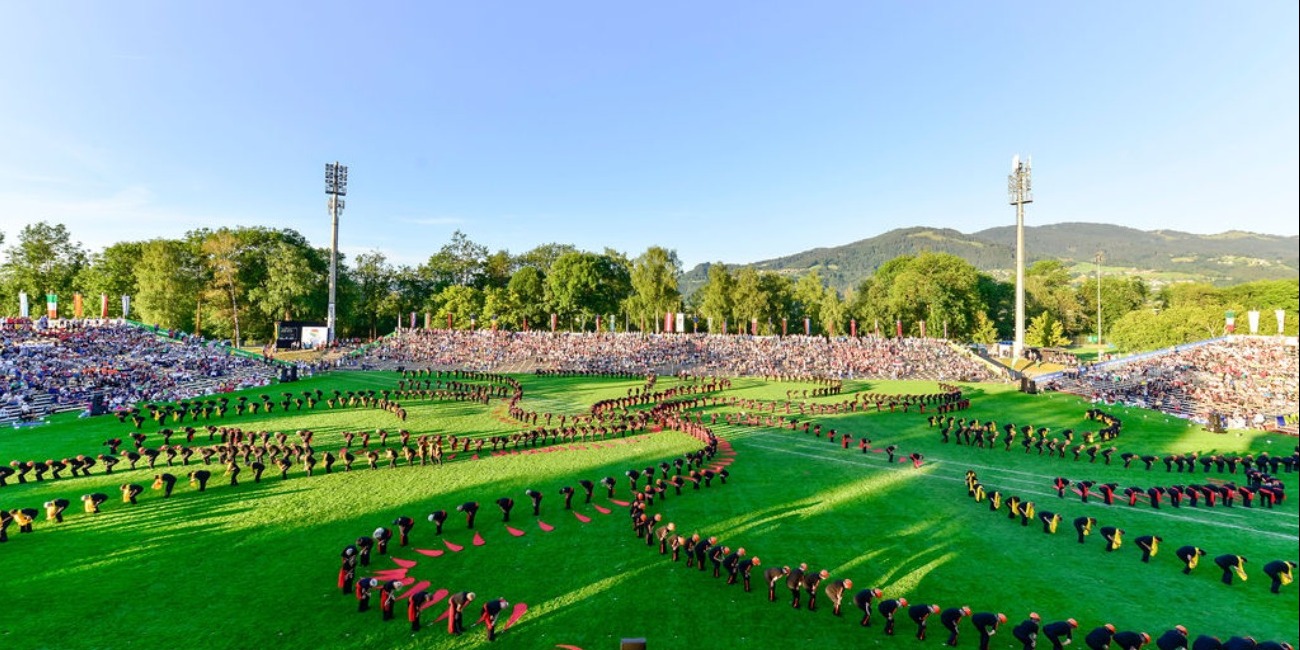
[[1246, 381], [126, 364], [701, 354]]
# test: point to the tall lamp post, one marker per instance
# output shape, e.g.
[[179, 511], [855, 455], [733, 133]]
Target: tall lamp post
[[1101, 347], [1020, 192], [336, 187]]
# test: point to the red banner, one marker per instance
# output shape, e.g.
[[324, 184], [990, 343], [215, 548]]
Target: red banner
[[103, 305], [898, 328], [853, 328], [784, 322]]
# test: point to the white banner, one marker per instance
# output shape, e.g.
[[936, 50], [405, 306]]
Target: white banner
[[1281, 319], [22, 304], [1253, 317], [681, 322], [126, 306]]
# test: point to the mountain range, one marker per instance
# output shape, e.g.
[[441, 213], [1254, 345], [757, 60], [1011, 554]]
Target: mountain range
[[1158, 256]]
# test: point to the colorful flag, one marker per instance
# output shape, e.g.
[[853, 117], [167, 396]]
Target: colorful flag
[[1231, 318], [807, 327], [52, 305], [77, 306], [103, 305]]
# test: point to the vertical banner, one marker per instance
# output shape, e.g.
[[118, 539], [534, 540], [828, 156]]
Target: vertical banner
[[945, 330], [103, 305], [898, 328], [668, 322], [695, 324], [807, 327], [877, 328], [52, 305], [1230, 321], [1252, 317], [753, 327], [709, 322], [448, 320], [428, 321], [77, 307], [525, 323], [853, 327], [555, 322], [1281, 319], [126, 306], [412, 320], [784, 323], [494, 323], [22, 305], [613, 324], [598, 323], [724, 326], [681, 323], [922, 329]]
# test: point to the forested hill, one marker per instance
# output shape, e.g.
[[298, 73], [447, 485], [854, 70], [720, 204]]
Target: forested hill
[[1228, 258]]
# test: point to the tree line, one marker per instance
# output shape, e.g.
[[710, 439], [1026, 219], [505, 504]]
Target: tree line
[[236, 283]]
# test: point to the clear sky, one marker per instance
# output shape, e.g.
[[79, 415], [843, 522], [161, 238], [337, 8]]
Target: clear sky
[[732, 131]]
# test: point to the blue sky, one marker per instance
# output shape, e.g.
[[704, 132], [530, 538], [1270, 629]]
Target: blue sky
[[732, 131]]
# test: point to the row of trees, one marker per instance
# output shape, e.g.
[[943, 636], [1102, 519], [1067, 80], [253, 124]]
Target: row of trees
[[237, 282]]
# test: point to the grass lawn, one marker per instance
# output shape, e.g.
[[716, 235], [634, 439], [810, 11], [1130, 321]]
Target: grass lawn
[[254, 566]]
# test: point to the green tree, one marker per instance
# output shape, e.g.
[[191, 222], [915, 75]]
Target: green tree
[[654, 284], [715, 295], [984, 331], [777, 291], [1048, 287], [527, 297], [111, 272], [290, 286], [937, 288], [544, 256], [460, 262], [748, 299], [374, 280], [584, 285], [832, 314], [225, 292], [1045, 331], [1119, 296], [807, 297], [464, 304], [43, 260], [169, 278]]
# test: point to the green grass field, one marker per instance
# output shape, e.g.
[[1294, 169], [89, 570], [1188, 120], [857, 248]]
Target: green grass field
[[254, 566]]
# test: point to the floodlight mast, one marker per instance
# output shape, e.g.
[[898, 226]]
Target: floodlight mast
[[336, 187], [1020, 192]]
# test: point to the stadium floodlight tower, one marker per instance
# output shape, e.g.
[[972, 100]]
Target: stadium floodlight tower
[[1020, 192], [336, 187]]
